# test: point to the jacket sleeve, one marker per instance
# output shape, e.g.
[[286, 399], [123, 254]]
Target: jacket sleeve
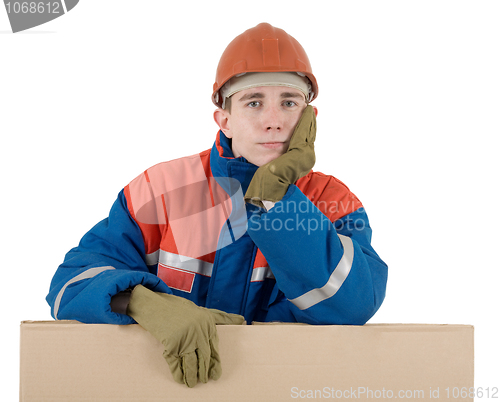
[[326, 272], [109, 259]]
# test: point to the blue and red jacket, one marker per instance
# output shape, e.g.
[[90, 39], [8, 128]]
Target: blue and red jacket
[[183, 228]]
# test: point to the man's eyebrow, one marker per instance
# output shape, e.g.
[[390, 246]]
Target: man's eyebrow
[[252, 95], [292, 95]]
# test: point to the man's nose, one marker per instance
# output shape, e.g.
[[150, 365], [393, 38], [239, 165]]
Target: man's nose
[[272, 119]]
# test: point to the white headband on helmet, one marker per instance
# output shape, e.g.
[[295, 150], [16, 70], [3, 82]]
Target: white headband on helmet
[[278, 79]]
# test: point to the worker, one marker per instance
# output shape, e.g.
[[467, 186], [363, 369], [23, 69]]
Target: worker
[[243, 232]]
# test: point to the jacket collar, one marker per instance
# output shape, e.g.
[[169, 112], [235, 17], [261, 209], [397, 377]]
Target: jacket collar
[[224, 164]]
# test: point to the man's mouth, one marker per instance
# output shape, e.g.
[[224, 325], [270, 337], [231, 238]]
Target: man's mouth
[[272, 145]]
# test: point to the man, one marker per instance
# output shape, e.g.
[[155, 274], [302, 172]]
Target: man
[[244, 231]]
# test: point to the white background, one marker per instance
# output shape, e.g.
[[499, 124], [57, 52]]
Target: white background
[[409, 104]]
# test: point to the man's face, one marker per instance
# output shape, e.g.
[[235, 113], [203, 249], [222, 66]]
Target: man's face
[[261, 122]]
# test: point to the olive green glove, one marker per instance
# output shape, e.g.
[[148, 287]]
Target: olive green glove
[[186, 330], [271, 181]]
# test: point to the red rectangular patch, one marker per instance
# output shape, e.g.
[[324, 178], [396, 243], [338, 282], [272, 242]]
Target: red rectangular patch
[[176, 278]]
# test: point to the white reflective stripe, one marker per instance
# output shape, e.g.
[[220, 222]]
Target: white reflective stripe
[[89, 273], [186, 263], [152, 258], [336, 280], [261, 273]]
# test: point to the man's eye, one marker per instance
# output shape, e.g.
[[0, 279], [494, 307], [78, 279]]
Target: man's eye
[[254, 104], [289, 103]]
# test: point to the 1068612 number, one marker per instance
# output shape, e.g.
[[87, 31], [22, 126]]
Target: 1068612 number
[[33, 7], [478, 393]]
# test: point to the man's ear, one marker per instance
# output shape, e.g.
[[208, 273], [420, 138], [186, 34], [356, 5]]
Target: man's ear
[[222, 120]]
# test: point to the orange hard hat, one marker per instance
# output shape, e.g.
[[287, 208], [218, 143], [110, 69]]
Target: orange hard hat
[[263, 48]]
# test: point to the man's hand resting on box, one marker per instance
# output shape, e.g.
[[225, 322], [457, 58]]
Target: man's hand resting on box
[[187, 332]]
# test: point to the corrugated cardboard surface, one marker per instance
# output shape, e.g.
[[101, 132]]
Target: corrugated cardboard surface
[[70, 361]]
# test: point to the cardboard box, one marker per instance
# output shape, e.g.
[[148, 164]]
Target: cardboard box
[[70, 361]]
